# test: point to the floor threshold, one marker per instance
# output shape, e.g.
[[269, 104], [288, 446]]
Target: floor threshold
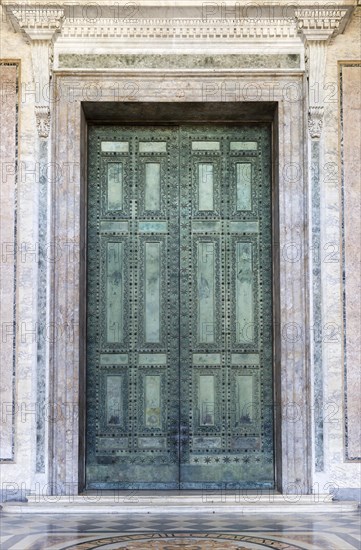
[[179, 503]]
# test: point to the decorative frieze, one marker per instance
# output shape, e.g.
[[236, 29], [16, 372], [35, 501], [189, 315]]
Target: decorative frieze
[[178, 61]]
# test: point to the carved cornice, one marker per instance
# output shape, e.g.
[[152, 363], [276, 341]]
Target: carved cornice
[[36, 24], [181, 29], [319, 24], [43, 22]]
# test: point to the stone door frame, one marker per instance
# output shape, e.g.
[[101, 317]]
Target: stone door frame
[[278, 53], [68, 228]]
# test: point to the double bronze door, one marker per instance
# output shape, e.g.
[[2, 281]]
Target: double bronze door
[[179, 308]]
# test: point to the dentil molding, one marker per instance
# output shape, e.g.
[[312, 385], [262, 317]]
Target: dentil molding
[[181, 29], [42, 22]]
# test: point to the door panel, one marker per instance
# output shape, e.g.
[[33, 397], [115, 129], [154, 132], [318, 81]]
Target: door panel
[[179, 361], [133, 309], [226, 308]]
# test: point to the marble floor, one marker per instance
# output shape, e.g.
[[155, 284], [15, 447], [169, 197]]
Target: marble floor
[[206, 531]]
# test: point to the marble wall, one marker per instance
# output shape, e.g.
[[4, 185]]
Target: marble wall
[[333, 456]]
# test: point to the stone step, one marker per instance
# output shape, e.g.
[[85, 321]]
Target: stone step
[[148, 504]]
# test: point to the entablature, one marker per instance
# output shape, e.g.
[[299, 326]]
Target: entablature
[[141, 36], [144, 28]]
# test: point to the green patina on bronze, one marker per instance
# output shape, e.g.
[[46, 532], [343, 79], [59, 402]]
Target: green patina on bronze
[[179, 350]]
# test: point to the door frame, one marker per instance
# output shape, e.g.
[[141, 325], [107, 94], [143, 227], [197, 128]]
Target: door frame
[[66, 454]]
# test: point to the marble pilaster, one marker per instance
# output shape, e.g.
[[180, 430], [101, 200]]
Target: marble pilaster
[[9, 103], [317, 27], [39, 28], [351, 269]]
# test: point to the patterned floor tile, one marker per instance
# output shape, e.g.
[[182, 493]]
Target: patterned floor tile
[[163, 532]]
